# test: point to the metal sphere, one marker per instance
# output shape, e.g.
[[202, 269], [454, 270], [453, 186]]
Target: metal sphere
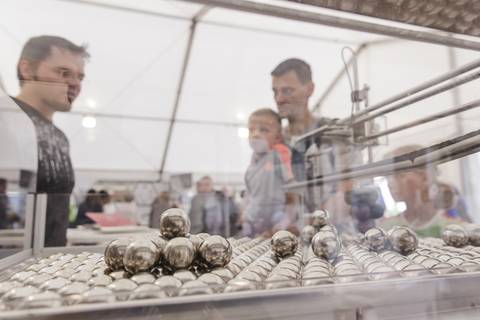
[[161, 243], [179, 253], [196, 241], [46, 299], [169, 284], [455, 236], [140, 255], [284, 243], [55, 284], [320, 218], [114, 253], [215, 252], [143, 277], [308, 232], [174, 223], [98, 295], [100, 281], [403, 240], [147, 291], [326, 246], [473, 231], [376, 239]]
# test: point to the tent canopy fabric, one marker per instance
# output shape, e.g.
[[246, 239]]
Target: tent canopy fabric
[[138, 52]]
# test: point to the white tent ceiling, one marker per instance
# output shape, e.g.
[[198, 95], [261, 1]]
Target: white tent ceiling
[[138, 49]]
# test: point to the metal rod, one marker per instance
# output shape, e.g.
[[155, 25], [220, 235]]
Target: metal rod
[[341, 22], [181, 82], [440, 115], [427, 94], [439, 153], [131, 10], [449, 75], [339, 75]]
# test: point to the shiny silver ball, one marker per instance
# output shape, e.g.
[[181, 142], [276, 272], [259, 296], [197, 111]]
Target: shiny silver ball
[[46, 299], [179, 253], [147, 291], [169, 284], [161, 243], [196, 241], [455, 236], [473, 231], [403, 240], [308, 232], [284, 243], [376, 239], [114, 253], [215, 252], [141, 255], [320, 218], [326, 246], [174, 223]]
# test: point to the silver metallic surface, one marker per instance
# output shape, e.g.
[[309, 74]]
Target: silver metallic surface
[[174, 222], [284, 243], [196, 241], [122, 288], [236, 285], [376, 239], [116, 275], [455, 236], [195, 287], [82, 276], [55, 284], [169, 284], [114, 253], [307, 234], [320, 218], [140, 255], [100, 281], [224, 273], [38, 279], [148, 291], [403, 240], [143, 277], [185, 275], [98, 295], [215, 251], [46, 299], [473, 231], [325, 246], [179, 253]]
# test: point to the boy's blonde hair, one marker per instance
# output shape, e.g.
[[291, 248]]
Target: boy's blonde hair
[[269, 113]]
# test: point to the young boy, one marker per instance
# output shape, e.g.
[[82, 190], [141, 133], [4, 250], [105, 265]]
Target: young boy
[[269, 170]]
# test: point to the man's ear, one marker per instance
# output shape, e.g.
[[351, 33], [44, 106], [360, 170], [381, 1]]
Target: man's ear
[[310, 88], [26, 69]]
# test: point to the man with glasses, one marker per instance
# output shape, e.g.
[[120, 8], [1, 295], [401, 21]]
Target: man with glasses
[[50, 71], [292, 87]]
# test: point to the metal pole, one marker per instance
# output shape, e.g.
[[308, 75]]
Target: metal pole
[[340, 75], [440, 115], [40, 221], [449, 75], [341, 22], [181, 82], [439, 153], [407, 102]]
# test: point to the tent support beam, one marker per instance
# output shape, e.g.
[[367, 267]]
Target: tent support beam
[[433, 36], [181, 83]]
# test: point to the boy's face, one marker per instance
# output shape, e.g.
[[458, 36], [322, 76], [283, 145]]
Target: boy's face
[[264, 133]]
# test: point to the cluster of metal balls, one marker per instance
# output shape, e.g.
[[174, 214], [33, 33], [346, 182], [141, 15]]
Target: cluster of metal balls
[[322, 236], [400, 239], [461, 235], [172, 251]]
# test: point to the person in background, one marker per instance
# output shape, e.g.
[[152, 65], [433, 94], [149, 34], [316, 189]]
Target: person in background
[[161, 203], [269, 170], [293, 86], [4, 223], [211, 211], [90, 204], [430, 203], [51, 71]]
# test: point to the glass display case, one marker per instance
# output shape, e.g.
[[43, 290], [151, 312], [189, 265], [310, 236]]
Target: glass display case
[[371, 203]]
